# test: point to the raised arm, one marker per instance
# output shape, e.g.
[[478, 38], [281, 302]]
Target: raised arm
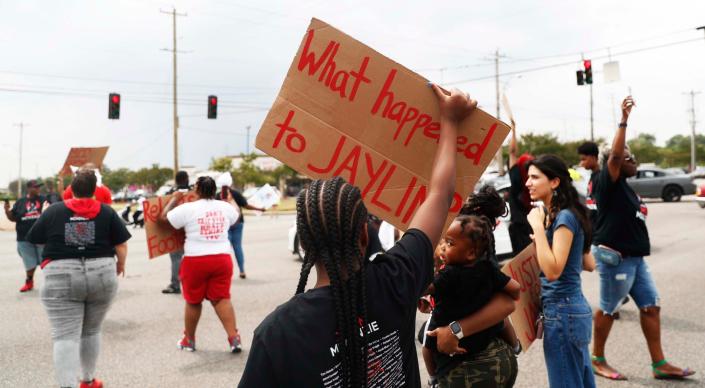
[[614, 163], [513, 148], [173, 202], [8, 212], [455, 106]]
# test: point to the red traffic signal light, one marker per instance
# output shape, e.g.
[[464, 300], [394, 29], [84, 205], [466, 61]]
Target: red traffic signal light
[[588, 71], [212, 107], [114, 106]]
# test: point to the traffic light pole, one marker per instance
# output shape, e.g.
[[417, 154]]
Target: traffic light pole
[[174, 14], [19, 177], [592, 121], [692, 130]]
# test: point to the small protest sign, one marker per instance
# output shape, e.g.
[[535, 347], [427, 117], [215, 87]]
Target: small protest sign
[[78, 156], [524, 268], [346, 110], [265, 197], [161, 237]]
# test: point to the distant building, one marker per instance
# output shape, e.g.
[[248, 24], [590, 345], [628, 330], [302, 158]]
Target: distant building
[[263, 162]]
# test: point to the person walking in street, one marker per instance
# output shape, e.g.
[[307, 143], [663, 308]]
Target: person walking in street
[[621, 242], [562, 235], [24, 213], [181, 185], [228, 194], [81, 239], [355, 327], [519, 201], [588, 152], [207, 267], [102, 192]]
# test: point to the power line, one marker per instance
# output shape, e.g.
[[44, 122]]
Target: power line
[[572, 62]]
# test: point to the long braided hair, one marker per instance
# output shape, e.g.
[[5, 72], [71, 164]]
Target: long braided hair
[[564, 196], [481, 211], [330, 216]]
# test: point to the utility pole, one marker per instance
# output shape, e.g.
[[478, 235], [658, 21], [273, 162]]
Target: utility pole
[[692, 129], [21, 125], [174, 14], [498, 157], [592, 120], [248, 139]]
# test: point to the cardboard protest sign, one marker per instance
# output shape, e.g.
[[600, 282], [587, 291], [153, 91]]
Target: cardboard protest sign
[[346, 110], [524, 268], [79, 156], [162, 238], [265, 197]]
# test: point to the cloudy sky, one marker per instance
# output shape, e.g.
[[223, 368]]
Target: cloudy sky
[[60, 59]]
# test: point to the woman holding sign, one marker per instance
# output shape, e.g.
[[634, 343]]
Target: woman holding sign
[[207, 268], [355, 327], [562, 235]]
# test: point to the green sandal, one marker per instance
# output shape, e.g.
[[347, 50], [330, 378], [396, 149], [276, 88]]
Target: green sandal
[[668, 376], [612, 376]]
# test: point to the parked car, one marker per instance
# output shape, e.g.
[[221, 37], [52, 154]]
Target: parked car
[[700, 196], [653, 182]]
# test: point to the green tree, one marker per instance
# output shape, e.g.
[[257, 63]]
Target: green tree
[[248, 173], [153, 177], [223, 164], [645, 149], [117, 179]]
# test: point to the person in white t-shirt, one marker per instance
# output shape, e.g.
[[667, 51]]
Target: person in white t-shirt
[[207, 268]]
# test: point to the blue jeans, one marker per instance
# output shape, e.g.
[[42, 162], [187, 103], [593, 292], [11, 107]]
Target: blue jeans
[[176, 258], [631, 277], [567, 334], [31, 254], [235, 237]]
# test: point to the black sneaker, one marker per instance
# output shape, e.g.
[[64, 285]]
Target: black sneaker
[[171, 290]]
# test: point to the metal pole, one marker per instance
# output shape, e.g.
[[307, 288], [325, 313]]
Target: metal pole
[[498, 156], [592, 122], [174, 14], [19, 175], [248, 140], [692, 130]]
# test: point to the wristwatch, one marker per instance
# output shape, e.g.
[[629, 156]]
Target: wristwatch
[[456, 329]]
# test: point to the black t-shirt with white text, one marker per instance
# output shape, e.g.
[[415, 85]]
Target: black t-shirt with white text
[[26, 212], [68, 236], [621, 217], [295, 346], [460, 291]]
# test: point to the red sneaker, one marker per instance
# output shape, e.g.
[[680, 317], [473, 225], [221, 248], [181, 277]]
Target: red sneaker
[[28, 286], [93, 384], [187, 344], [235, 344]]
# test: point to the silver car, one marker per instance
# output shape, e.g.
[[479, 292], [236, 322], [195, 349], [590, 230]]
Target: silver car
[[653, 182]]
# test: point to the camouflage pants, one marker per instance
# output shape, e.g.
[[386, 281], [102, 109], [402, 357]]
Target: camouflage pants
[[495, 367]]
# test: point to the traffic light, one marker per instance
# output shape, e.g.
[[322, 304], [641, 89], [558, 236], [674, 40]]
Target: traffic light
[[579, 75], [588, 71], [212, 107], [114, 106]]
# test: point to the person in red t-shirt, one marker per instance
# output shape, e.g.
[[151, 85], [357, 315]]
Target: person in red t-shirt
[[102, 192]]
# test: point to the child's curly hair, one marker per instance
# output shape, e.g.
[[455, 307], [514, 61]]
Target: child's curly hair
[[478, 218], [486, 202]]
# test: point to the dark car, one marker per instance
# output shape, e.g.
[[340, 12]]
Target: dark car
[[653, 182]]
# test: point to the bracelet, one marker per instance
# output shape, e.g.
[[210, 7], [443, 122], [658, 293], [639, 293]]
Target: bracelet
[[622, 125]]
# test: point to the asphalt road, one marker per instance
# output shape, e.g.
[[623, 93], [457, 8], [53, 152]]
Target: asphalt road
[[143, 326]]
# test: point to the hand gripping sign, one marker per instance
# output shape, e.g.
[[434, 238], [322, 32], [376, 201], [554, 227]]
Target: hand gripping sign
[[161, 237], [347, 110]]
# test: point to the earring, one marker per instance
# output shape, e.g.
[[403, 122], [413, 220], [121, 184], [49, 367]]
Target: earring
[[555, 193]]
